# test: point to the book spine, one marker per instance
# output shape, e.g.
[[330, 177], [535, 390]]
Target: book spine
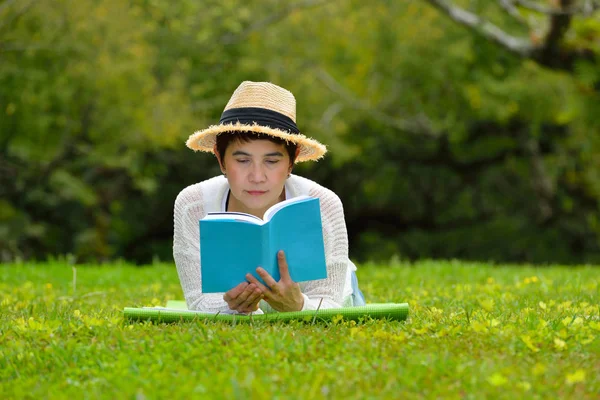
[[269, 251]]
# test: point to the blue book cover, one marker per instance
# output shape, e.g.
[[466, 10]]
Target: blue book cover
[[234, 244]]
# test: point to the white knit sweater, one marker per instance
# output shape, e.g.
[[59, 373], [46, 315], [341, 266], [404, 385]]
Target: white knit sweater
[[195, 201]]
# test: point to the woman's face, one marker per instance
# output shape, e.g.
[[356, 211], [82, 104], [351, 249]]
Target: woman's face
[[256, 171]]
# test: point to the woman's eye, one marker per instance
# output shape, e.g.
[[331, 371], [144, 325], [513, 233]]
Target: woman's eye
[[272, 162], [243, 161]]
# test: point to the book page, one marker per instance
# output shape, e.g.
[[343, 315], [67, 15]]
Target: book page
[[236, 216], [229, 250], [276, 207], [298, 231]]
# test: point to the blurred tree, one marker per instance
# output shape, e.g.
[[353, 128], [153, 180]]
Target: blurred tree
[[82, 111], [561, 33], [446, 145], [445, 142], [97, 99]]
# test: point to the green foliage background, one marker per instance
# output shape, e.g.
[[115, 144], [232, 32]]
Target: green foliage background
[[442, 143]]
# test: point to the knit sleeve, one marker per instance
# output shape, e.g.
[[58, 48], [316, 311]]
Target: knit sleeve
[[188, 211], [335, 237]]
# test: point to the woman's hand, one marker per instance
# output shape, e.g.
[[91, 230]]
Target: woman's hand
[[244, 298], [284, 295]]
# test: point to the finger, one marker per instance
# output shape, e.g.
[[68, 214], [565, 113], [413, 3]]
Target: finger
[[284, 271], [268, 279], [252, 308], [246, 294], [235, 292], [252, 297], [252, 300], [252, 279], [242, 297]]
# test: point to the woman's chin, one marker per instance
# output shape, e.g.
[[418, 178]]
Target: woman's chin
[[258, 202]]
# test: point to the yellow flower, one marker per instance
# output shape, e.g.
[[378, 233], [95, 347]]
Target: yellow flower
[[576, 377], [542, 305], [565, 305], [538, 369], [436, 311], [400, 337], [356, 331], [559, 344], [588, 340], [527, 340], [487, 304], [526, 386], [421, 331], [478, 327], [562, 334], [497, 379]]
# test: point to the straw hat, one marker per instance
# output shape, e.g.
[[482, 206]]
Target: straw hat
[[264, 108]]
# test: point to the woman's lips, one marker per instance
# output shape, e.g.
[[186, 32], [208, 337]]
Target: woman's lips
[[256, 192]]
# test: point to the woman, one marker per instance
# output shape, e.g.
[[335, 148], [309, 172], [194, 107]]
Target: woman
[[257, 144]]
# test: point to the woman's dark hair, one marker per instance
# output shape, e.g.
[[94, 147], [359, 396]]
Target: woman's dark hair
[[225, 138]]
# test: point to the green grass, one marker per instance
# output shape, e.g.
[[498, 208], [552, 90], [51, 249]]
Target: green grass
[[474, 331]]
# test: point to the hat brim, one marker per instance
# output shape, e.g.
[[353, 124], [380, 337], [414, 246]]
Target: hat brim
[[205, 140]]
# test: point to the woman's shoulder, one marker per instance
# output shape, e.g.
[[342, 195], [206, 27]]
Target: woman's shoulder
[[201, 193], [327, 197]]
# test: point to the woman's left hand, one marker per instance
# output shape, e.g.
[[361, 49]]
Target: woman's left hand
[[284, 295]]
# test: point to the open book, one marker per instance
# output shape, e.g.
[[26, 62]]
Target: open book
[[233, 244]]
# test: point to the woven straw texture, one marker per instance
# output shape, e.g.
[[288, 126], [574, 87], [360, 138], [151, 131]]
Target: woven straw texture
[[264, 95]]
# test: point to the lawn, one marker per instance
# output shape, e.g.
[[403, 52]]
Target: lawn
[[474, 331]]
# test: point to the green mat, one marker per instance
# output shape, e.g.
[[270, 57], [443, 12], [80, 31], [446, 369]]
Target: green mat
[[177, 311]]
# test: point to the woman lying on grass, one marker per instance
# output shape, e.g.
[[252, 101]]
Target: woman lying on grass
[[256, 144]]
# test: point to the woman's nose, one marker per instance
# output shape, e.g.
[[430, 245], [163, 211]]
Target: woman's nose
[[257, 173]]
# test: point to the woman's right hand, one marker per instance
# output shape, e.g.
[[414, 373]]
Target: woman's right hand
[[244, 298]]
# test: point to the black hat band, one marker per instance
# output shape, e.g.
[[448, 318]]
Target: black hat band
[[261, 116]]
